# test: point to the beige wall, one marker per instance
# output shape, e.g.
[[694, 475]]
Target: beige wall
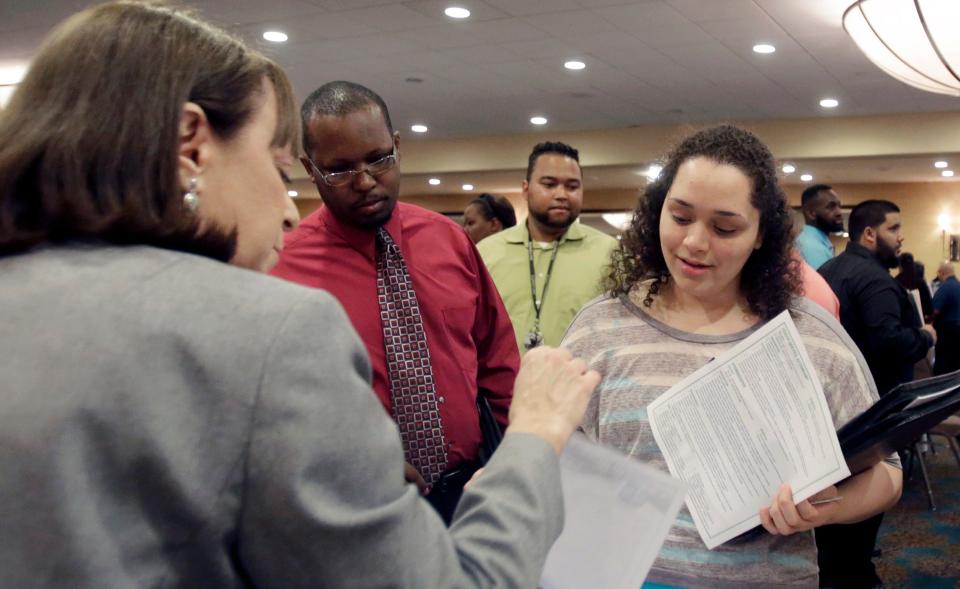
[[921, 205]]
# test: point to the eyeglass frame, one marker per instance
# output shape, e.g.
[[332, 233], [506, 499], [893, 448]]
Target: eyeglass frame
[[352, 174]]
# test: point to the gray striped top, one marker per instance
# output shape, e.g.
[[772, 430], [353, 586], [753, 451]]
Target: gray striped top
[[640, 358]]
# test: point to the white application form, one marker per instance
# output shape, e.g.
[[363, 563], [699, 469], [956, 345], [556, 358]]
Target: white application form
[[746, 422], [617, 514]]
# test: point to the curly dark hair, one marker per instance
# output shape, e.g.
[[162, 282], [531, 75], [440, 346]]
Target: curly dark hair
[[770, 276]]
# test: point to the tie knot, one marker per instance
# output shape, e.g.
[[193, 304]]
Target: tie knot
[[385, 242]]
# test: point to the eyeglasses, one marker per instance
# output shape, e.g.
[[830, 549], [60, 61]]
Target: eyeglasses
[[376, 168]]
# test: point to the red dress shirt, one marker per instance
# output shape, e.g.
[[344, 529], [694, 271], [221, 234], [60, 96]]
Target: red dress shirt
[[469, 334]]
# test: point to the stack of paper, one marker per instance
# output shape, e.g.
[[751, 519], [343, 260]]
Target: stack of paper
[[742, 425]]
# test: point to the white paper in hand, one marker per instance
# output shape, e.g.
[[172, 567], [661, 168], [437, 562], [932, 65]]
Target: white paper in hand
[[617, 514], [742, 425]]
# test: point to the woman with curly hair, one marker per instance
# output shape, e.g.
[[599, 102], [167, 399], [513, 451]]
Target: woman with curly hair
[[705, 263]]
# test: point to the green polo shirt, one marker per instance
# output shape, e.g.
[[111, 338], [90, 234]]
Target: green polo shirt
[[578, 275]]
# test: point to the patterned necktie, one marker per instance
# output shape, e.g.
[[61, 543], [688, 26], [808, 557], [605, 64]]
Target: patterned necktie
[[412, 388]]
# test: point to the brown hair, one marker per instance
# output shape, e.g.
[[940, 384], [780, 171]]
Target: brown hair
[[88, 142], [770, 276]]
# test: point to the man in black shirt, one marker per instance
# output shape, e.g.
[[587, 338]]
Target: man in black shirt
[[877, 313], [874, 309]]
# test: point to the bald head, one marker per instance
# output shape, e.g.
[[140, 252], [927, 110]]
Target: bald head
[[945, 270]]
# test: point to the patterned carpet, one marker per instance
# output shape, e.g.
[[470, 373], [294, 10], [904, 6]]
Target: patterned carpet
[[921, 548]]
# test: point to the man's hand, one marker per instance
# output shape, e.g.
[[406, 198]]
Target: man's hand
[[412, 476], [783, 517], [929, 329]]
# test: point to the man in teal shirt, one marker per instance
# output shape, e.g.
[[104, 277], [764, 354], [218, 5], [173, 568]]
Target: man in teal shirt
[[821, 211], [549, 266]]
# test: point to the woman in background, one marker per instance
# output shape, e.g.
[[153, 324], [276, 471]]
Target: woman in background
[[488, 214], [704, 263], [169, 420]]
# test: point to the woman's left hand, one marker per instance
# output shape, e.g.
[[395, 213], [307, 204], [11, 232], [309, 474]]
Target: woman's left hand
[[783, 517]]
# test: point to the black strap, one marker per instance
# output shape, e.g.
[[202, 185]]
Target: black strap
[[538, 303]]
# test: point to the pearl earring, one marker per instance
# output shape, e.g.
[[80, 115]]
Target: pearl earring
[[191, 200]]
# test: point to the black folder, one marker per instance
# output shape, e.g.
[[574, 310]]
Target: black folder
[[898, 419]]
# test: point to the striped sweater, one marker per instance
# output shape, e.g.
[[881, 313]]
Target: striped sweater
[[640, 358]]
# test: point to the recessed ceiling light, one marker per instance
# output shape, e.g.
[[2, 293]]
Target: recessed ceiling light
[[419, 128], [434, 181], [574, 65], [947, 173], [293, 193], [806, 177], [764, 48], [538, 120], [653, 172], [457, 12], [940, 164], [789, 168], [468, 187], [829, 103], [275, 36]]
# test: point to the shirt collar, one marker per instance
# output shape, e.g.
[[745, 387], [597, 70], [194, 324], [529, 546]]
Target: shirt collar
[[818, 232], [858, 250], [363, 239], [519, 234]]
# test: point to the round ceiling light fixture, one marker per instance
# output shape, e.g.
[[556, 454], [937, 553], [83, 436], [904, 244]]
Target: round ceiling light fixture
[[914, 41]]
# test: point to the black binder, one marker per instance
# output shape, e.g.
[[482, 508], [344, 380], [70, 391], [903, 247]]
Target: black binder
[[896, 420], [489, 428]]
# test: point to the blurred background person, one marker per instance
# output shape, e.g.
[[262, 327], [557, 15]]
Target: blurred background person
[[886, 326], [946, 320], [488, 214], [167, 419], [822, 215], [910, 277], [812, 285]]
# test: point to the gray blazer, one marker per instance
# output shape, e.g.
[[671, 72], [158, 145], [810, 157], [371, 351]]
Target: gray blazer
[[170, 421]]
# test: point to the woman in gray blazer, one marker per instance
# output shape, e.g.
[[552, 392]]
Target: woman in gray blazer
[[167, 419]]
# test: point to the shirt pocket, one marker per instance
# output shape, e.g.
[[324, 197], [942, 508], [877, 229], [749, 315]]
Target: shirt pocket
[[458, 327]]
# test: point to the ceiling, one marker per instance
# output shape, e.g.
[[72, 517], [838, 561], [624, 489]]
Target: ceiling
[[648, 62]]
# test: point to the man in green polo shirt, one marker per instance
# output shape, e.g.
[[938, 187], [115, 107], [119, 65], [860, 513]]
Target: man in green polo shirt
[[549, 266]]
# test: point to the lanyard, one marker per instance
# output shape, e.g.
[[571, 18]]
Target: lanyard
[[538, 303]]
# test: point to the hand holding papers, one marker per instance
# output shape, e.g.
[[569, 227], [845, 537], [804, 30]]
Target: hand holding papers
[[742, 425], [618, 512]]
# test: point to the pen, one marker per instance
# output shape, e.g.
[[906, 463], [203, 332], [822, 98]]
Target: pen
[[830, 500]]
